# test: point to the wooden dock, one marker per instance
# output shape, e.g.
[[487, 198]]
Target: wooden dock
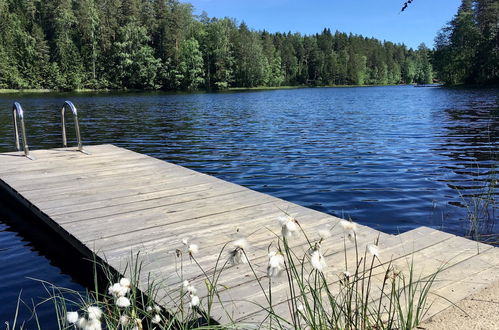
[[115, 202]]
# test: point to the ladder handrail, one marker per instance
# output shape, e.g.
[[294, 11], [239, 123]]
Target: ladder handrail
[[77, 126], [17, 111]]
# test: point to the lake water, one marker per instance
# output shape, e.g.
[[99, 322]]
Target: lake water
[[393, 158]]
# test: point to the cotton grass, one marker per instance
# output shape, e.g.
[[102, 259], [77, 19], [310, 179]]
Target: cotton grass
[[373, 249], [123, 302], [289, 226], [237, 254], [276, 265], [193, 249], [318, 261], [315, 300], [72, 317], [194, 301]]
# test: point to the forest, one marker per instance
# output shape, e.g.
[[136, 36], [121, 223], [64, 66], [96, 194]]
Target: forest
[[467, 48], [161, 44]]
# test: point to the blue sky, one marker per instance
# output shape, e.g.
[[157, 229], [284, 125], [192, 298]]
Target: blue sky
[[381, 19]]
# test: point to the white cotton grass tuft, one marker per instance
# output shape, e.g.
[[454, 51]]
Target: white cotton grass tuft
[[194, 301], [373, 249], [350, 228], [289, 226], [317, 260], [348, 225], [149, 309], [94, 313], [117, 290], [93, 325], [191, 289], [81, 323], [241, 243], [125, 282], [124, 320], [276, 264], [237, 254], [90, 324], [157, 309], [138, 324], [193, 249], [72, 317], [156, 319], [123, 302]]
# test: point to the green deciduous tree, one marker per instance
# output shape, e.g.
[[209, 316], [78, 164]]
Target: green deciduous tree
[[190, 65], [136, 66]]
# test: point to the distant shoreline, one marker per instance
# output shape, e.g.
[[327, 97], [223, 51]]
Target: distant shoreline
[[231, 89]]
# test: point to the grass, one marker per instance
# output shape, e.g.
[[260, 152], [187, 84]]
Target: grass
[[481, 208], [33, 90], [368, 295], [230, 89], [258, 88]]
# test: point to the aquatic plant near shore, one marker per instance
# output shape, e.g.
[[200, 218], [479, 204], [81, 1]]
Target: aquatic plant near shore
[[72, 317], [276, 264], [368, 295], [350, 228], [123, 302], [373, 250], [289, 226], [481, 208], [317, 260], [236, 254]]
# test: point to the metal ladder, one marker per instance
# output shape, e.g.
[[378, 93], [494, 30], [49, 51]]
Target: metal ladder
[[70, 105], [17, 112]]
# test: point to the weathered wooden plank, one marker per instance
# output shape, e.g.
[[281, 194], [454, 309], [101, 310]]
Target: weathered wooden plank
[[62, 181], [104, 189], [113, 193], [233, 221], [59, 173], [146, 204], [122, 197], [95, 186], [61, 152], [463, 279], [118, 224], [47, 158]]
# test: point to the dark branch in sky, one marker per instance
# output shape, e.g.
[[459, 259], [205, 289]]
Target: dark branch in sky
[[406, 4]]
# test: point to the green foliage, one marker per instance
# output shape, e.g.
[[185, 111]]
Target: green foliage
[[190, 65], [218, 53], [136, 66], [69, 44], [467, 48]]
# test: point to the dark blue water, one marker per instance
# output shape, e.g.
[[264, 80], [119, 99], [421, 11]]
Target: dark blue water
[[393, 158]]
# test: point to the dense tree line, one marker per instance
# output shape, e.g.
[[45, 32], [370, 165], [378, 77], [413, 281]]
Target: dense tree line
[[160, 44], [467, 48]]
